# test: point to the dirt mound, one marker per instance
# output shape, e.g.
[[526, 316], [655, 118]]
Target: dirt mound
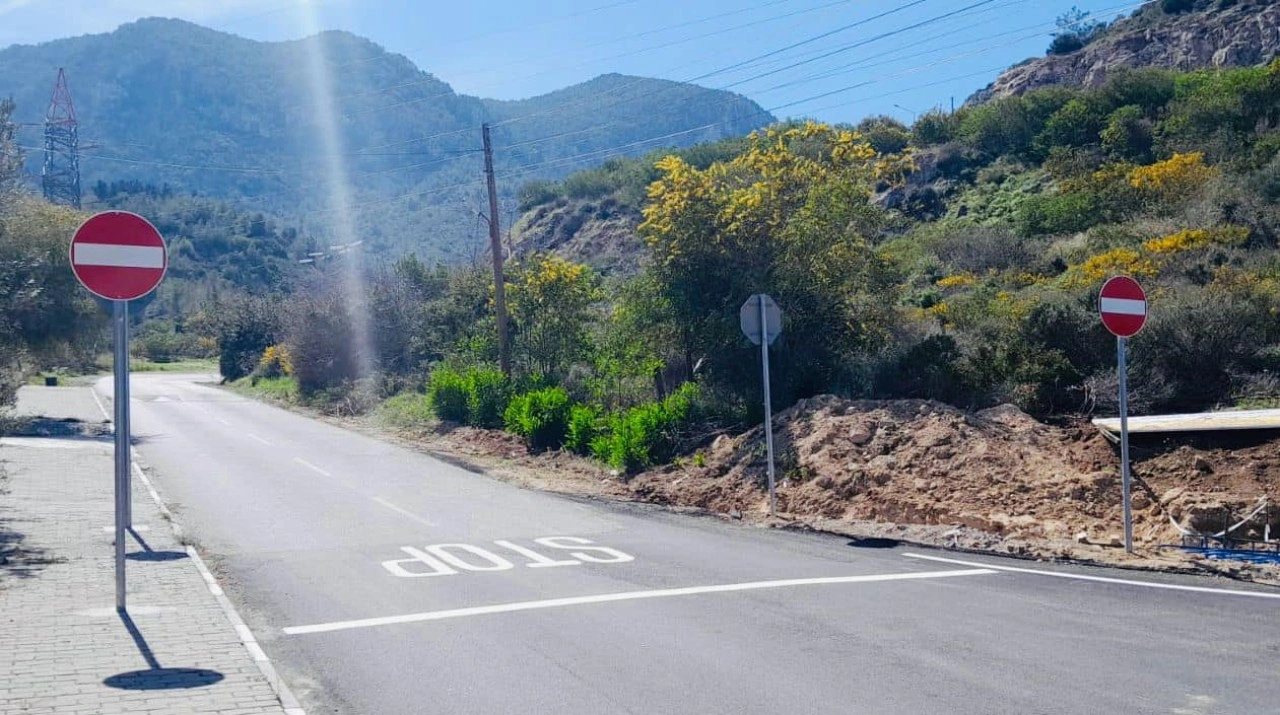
[[995, 475]]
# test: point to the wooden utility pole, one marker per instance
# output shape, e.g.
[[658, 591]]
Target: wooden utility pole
[[495, 246]]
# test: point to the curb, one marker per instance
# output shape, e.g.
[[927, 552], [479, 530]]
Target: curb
[[247, 639]]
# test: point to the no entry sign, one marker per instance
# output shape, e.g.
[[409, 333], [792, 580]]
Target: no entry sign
[[118, 255], [1123, 306]]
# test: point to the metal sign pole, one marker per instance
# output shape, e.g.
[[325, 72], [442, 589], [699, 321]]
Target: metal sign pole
[[121, 399], [768, 407], [1123, 370]]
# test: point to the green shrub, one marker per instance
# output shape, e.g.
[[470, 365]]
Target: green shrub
[[1056, 214], [448, 395], [584, 425], [537, 193], [1066, 43], [885, 134], [935, 127], [540, 418], [646, 435], [488, 393], [1128, 135], [1076, 124]]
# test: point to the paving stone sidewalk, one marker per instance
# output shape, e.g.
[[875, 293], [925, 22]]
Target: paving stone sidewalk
[[63, 647]]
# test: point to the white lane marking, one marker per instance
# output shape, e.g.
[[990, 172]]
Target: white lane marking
[[311, 466], [117, 256], [55, 443], [277, 684], [257, 438], [93, 392], [624, 596], [404, 512], [1100, 579], [1123, 306], [221, 420]]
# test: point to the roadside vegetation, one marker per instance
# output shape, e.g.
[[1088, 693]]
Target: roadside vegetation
[[956, 260], [45, 319]]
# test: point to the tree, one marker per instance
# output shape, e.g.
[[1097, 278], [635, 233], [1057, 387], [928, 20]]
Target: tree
[[789, 217], [935, 127], [552, 307], [46, 318], [885, 134], [1127, 136], [1010, 125], [1076, 124], [245, 326], [1076, 28], [11, 156]]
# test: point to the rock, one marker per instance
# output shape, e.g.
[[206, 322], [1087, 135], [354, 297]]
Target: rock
[[1172, 494], [735, 513], [1203, 465], [1082, 537], [883, 462], [1245, 34], [1115, 541], [860, 436]]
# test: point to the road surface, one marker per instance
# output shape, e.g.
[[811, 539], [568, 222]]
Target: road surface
[[382, 581]]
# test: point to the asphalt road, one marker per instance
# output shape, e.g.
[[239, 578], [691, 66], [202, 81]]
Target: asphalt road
[[382, 581]]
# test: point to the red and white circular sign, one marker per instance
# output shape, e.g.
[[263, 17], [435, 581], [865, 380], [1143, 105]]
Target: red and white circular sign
[[119, 255], [1123, 306]]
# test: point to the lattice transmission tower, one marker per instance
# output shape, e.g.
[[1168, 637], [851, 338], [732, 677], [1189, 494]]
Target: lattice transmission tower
[[61, 175]]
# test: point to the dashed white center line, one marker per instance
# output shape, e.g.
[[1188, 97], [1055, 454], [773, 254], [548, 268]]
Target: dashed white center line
[[311, 466], [256, 438], [404, 512]]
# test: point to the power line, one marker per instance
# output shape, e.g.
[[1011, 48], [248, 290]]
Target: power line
[[523, 28], [863, 43], [418, 100]]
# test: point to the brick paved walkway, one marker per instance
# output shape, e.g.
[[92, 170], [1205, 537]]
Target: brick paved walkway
[[63, 647]]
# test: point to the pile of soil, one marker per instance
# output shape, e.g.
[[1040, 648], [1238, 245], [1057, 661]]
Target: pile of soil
[[992, 479]]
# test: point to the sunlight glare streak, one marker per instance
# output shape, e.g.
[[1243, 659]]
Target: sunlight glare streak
[[320, 79]]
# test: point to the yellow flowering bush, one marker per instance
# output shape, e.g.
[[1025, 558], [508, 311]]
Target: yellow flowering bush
[[1114, 262], [275, 362], [959, 280], [1189, 239], [1173, 178]]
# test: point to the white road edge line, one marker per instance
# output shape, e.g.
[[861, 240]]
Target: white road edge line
[[257, 438], [311, 466], [623, 596], [1100, 579], [274, 681], [404, 512]]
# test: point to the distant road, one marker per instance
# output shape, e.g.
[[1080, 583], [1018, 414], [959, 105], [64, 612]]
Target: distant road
[[382, 581]]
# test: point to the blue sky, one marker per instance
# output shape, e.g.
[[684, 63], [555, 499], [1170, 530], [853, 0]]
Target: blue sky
[[870, 61]]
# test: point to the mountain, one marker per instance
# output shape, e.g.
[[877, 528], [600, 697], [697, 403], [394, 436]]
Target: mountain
[[168, 102], [1174, 34]]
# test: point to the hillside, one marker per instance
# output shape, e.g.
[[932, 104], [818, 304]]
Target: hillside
[[1173, 34], [168, 102]]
